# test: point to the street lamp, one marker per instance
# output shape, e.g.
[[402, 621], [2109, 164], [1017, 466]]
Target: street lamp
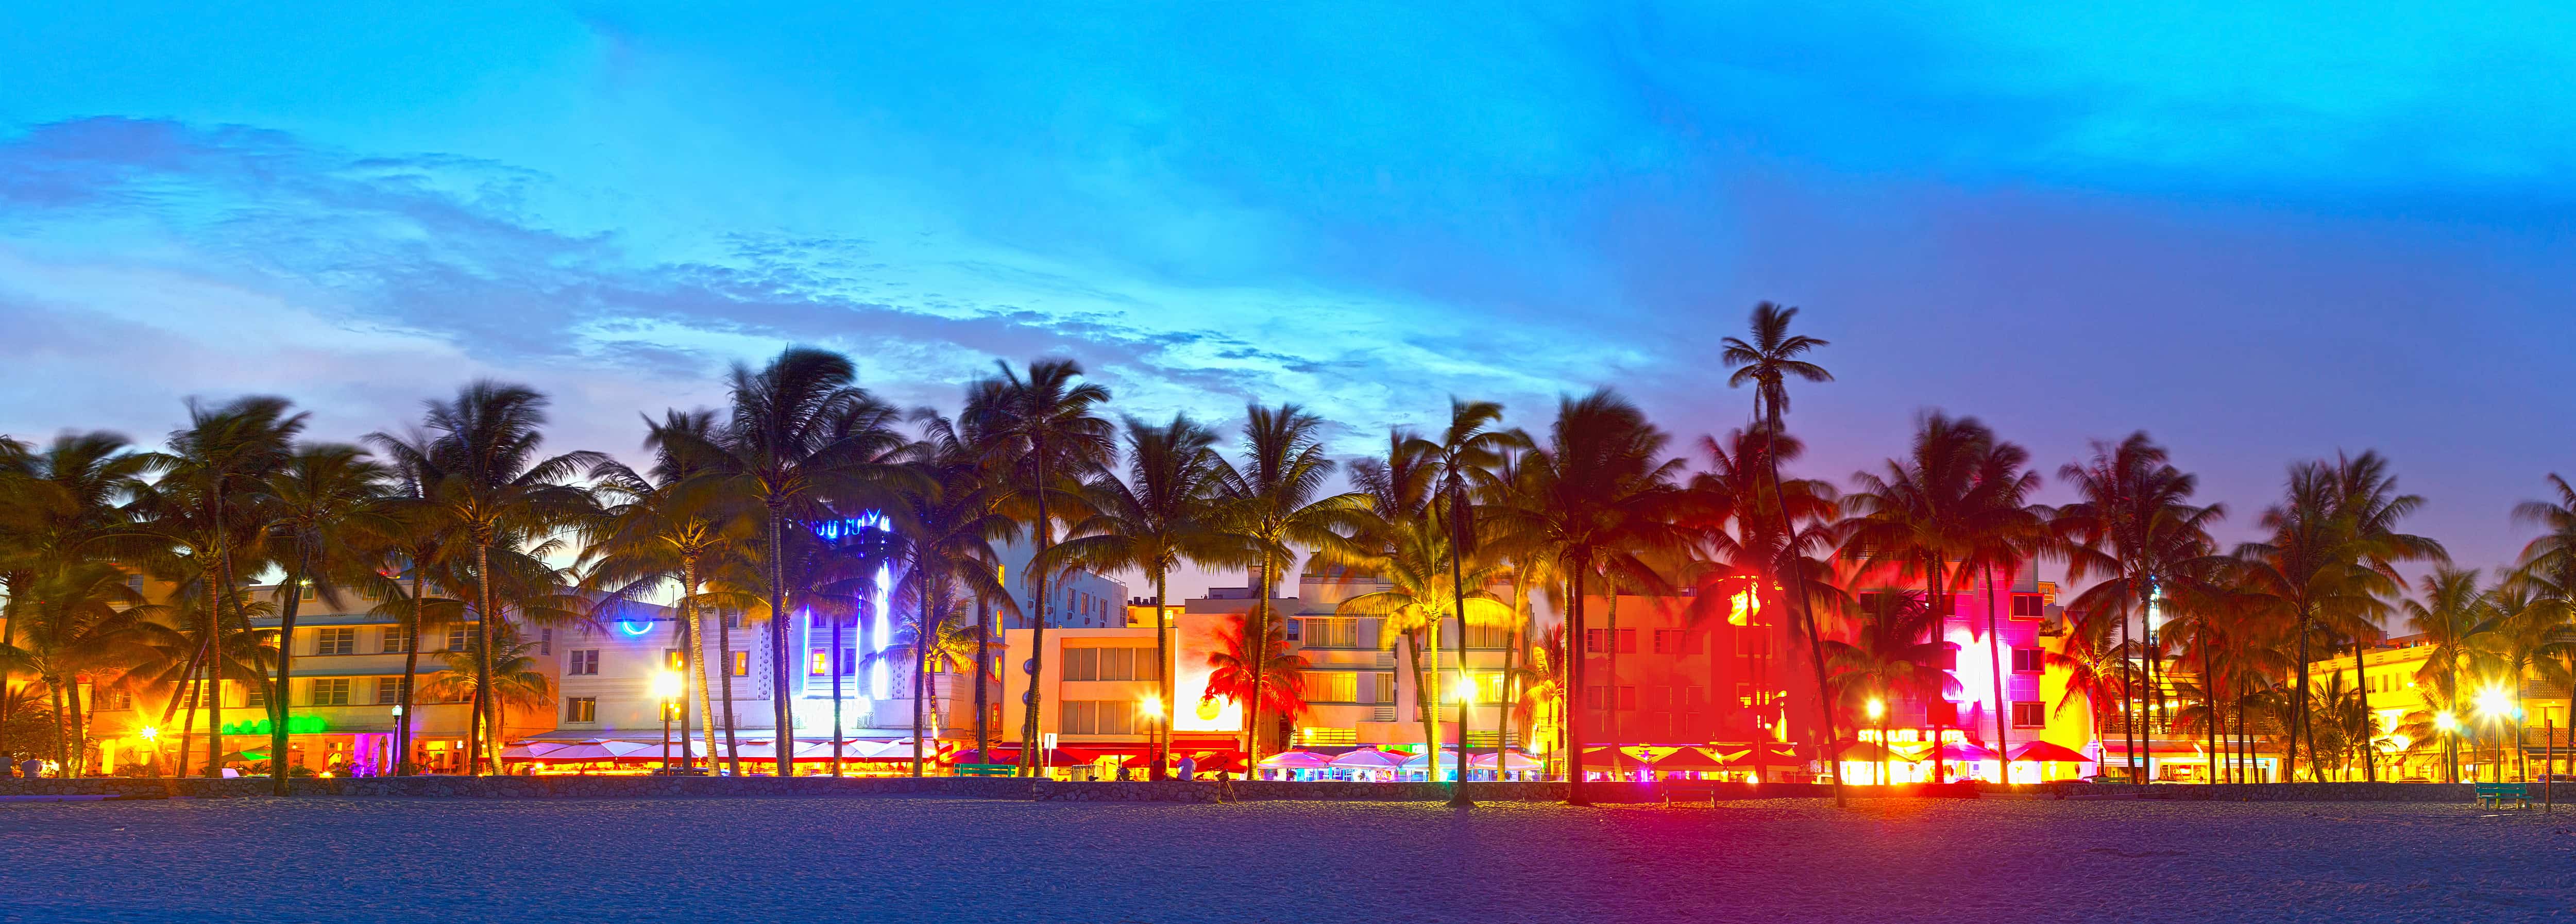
[[2496, 704], [1152, 708], [666, 687]]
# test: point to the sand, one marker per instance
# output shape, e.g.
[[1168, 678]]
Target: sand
[[895, 859]]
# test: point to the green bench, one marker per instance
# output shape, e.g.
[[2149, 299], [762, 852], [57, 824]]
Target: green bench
[[2494, 795], [988, 769]]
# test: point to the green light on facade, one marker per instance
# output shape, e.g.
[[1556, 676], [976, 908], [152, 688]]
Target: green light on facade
[[295, 725]]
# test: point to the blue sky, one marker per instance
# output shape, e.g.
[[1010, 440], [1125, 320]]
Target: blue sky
[[2258, 231]]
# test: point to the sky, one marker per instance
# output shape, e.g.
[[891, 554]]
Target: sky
[[2260, 232]]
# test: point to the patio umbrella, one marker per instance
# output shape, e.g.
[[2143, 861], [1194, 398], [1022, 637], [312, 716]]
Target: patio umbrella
[[580, 751], [1369, 759], [1958, 753], [2045, 751], [1613, 759], [1689, 759], [532, 750], [1513, 761], [1871, 751], [1294, 760]]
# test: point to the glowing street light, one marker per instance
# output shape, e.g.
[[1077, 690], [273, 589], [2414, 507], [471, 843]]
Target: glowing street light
[[1151, 707], [667, 687], [1886, 758], [148, 733], [1877, 710]]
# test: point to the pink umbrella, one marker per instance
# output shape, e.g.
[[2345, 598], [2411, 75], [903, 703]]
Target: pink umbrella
[[1370, 759]]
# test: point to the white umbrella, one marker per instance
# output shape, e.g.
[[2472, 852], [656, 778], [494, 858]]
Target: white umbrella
[[532, 750], [1296, 760], [1512, 761]]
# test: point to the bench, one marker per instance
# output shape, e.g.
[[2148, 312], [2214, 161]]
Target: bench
[[2495, 795], [987, 769]]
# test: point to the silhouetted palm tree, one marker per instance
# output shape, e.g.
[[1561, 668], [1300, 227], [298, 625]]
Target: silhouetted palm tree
[[324, 510], [1044, 430], [1274, 502], [2133, 522], [1767, 362], [1161, 516], [493, 490]]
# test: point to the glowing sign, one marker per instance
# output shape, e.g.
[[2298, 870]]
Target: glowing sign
[[1745, 604], [295, 725], [635, 627]]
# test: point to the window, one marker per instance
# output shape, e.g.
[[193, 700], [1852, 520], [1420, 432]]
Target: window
[[1099, 663], [1332, 633], [583, 663], [1489, 637], [742, 664], [1332, 687], [1591, 641], [2027, 661], [818, 662], [256, 694], [388, 691], [1696, 699], [308, 590], [2028, 714], [335, 642], [1627, 698], [2028, 606], [546, 642], [331, 692], [395, 642], [581, 710], [1627, 641], [1668, 641], [671, 659], [457, 636], [1380, 688], [1101, 717]]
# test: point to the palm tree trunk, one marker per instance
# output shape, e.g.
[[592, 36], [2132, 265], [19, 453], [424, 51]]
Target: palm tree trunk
[[215, 655], [724, 675], [920, 660], [1256, 641], [1431, 692], [1467, 698], [410, 629], [698, 657], [2299, 713], [1941, 613], [2369, 726], [1032, 747], [687, 646], [1162, 680], [835, 668], [1610, 684], [1994, 657], [1573, 692], [63, 735], [983, 677], [1422, 700], [2129, 692], [782, 712], [485, 710], [293, 591], [2209, 705], [1805, 613]]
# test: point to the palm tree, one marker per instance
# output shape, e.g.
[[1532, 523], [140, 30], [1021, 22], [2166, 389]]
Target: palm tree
[[59, 505], [81, 620], [974, 493], [2134, 522], [1420, 593], [1767, 362], [2451, 617], [1246, 668], [1596, 500], [2003, 531], [1042, 429], [323, 509], [493, 490], [950, 515], [1465, 461], [509, 675], [2367, 500], [2547, 569], [803, 443], [664, 530], [1162, 515], [416, 548], [1743, 550], [199, 505], [1895, 651], [1271, 502]]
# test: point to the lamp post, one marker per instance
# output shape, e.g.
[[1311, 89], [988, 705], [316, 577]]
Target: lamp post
[[1152, 707], [1886, 760], [667, 687]]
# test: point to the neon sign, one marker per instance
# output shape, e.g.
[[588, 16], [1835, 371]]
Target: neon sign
[[295, 725]]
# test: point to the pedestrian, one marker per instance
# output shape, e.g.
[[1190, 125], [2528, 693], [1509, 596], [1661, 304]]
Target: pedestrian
[[32, 768], [1188, 766]]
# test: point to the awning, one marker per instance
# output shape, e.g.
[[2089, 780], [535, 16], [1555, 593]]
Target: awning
[[1689, 759], [2046, 751]]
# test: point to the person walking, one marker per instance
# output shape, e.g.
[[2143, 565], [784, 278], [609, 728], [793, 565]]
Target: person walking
[[1189, 766]]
